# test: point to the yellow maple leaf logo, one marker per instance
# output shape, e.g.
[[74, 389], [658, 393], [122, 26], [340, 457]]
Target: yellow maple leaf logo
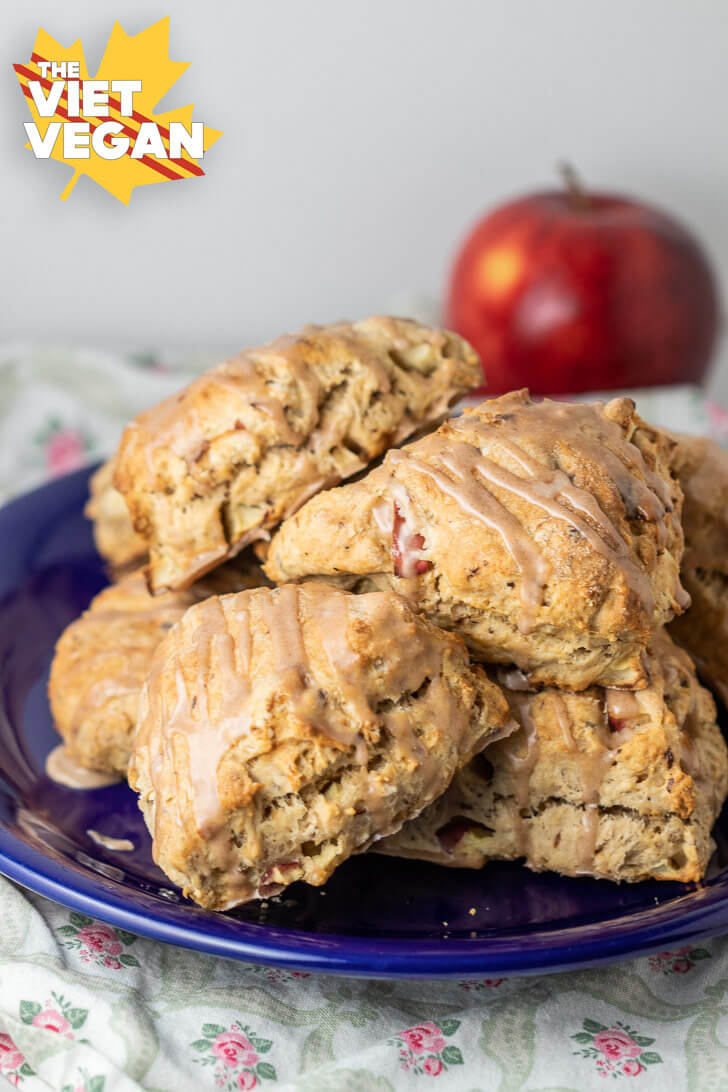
[[144, 57]]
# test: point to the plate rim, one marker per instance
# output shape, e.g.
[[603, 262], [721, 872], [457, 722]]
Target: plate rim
[[498, 955], [371, 956]]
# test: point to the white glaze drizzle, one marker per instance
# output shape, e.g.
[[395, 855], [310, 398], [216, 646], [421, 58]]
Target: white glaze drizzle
[[460, 469], [64, 770], [117, 845]]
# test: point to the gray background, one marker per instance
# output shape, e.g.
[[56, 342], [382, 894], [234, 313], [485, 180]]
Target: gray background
[[360, 140]]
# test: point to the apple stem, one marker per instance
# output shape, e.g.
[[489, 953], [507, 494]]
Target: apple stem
[[574, 186]]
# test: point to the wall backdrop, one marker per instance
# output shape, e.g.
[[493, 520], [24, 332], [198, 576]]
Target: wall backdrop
[[360, 139]]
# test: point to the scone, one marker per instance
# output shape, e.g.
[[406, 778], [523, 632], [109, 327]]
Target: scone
[[114, 534], [547, 534], [102, 658], [616, 784], [215, 467], [702, 469], [281, 731]]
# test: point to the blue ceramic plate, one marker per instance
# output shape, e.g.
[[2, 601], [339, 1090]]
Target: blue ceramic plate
[[376, 917]]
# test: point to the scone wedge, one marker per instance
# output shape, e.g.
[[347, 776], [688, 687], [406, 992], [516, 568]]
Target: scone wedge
[[102, 659], [608, 783], [282, 731], [547, 534], [214, 467], [701, 466], [114, 534]]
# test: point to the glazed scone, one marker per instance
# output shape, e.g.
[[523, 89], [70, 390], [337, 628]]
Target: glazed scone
[[702, 469], [281, 731], [547, 534], [215, 467], [114, 534], [102, 658], [616, 784]]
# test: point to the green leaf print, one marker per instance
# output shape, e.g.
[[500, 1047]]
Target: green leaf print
[[266, 1071], [650, 1057], [643, 1040], [262, 1045], [449, 1027], [451, 1055], [77, 1017], [583, 1037], [79, 920], [593, 1026], [202, 1044], [213, 1030], [29, 1010], [128, 960]]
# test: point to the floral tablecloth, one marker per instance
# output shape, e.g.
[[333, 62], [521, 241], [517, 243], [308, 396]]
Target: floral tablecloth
[[88, 1008]]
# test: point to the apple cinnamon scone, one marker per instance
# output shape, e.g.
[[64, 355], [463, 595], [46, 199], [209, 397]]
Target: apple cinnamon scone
[[114, 534], [214, 467], [547, 534], [702, 469], [102, 658], [616, 784], [281, 731]]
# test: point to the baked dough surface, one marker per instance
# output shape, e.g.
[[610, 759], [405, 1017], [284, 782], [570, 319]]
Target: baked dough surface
[[214, 467], [102, 658], [547, 534], [702, 468], [281, 731], [620, 785], [114, 534]]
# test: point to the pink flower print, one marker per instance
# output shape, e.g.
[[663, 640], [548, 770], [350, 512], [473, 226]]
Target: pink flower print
[[432, 1066], [680, 961], [234, 1049], [481, 983], [10, 1056], [423, 1039], [51, 1020], [616, 1044], [235, 1053], [112, 962], [681, 966], [619, 1051], [100, 938], [64, 451]]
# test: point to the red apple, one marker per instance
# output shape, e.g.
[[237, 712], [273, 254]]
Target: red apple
[[571, 291]]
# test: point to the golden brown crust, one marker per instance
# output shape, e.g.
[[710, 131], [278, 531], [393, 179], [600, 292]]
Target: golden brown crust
[[282, 731], [547, 534], [102, 658], [217, 465], [702, 469], [114, 534], [579, 789]]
